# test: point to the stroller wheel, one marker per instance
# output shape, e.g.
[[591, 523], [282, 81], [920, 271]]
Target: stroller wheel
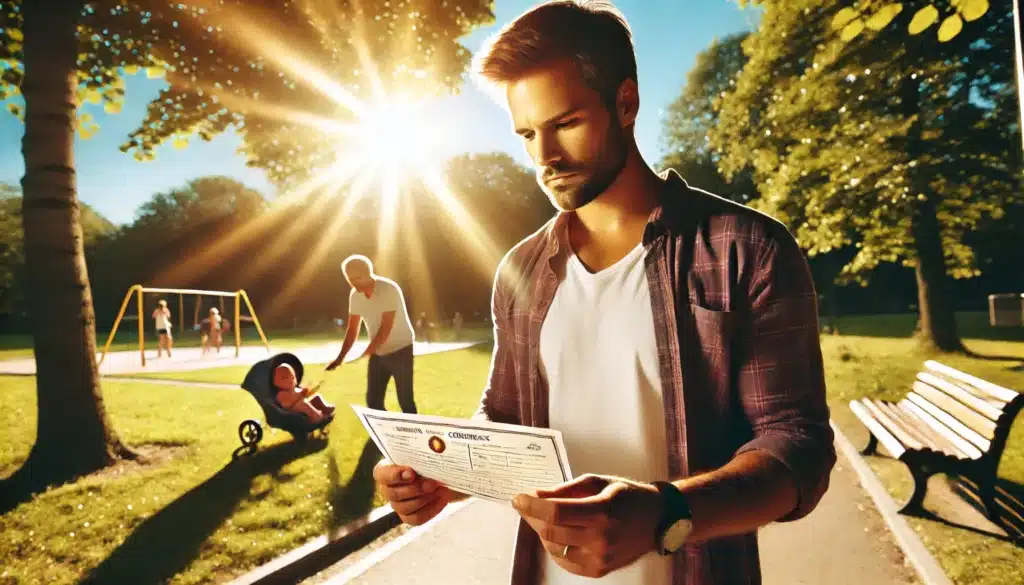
[[250, 432]]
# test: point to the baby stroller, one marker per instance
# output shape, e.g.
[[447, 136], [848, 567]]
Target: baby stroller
[[259, 382]]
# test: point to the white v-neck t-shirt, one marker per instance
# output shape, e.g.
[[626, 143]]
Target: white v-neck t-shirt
[[599, 357]]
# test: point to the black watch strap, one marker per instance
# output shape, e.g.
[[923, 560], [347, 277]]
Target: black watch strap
[[675, 506]]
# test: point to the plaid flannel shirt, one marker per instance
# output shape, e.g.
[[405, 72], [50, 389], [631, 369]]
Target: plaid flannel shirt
[[740, 362]]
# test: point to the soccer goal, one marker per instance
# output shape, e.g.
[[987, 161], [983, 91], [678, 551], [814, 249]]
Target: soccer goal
[[139, 292]]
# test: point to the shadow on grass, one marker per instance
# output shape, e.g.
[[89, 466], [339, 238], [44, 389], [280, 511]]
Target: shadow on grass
[[166, 543], [1018, 366], [355, 498], [1009, 505]]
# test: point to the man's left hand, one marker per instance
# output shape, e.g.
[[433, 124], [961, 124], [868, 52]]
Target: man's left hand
[[607, 522]]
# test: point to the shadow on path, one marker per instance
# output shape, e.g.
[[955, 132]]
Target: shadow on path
[[166, 543], [355, 498]]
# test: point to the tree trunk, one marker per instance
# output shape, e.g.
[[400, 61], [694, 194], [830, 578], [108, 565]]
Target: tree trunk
[[936, 319], [73, 435]]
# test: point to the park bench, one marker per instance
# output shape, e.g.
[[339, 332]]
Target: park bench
[[950, 422]]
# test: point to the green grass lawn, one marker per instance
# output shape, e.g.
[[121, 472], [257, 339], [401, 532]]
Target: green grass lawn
[[879, 363], [197, 517]]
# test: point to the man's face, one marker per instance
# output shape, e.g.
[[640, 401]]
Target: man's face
[[359, 277], [575, 142]]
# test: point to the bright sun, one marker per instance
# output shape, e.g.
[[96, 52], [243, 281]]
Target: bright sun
[[394, 135]]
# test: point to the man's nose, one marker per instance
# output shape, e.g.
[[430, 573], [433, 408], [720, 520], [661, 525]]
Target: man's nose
[[547, 152]]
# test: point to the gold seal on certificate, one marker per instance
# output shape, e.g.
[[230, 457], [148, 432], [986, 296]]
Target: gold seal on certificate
[[436, 444]]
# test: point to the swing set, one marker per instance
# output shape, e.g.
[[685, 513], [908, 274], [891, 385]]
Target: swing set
[[138, 291]]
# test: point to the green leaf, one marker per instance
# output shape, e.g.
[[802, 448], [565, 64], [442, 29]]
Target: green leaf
[[112, 107], [850, 31], [924, 18], [15, 35], [155, 72], [950, 28], [180, 143], [844, 17], [884, 16], [973, 9]]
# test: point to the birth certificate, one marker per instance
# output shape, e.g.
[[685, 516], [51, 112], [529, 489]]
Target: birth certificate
[[488, 460]]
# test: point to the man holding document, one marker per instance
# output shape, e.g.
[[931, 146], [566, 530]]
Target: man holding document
[[669, 336]]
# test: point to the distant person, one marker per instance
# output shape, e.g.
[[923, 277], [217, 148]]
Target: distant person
[[421, 327], [162, 320], [379, 302], [212, 331], [457, 325]]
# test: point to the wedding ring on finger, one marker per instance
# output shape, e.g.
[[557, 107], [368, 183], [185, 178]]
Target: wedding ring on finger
[[565, 552]]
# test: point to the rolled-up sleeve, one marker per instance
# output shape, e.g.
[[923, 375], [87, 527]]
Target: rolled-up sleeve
[[781, 381]]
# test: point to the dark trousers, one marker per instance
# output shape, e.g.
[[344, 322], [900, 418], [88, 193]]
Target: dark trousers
[[382, 368]]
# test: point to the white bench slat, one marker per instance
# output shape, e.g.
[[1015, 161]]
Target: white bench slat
[[975, 403], [960, 428], [963, 413], [891, 443], [965, 448], [1004, 394]]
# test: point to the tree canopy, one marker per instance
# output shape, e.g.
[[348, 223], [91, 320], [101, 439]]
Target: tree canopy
[[690, 118], [838, 156]]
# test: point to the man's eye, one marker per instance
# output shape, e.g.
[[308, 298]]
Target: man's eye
[[565, 124]]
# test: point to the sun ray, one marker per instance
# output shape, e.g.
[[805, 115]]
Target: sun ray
[[213, 254], [369, 66], [312, 262], [420, 273], [329, 186], [261, 41], [386, 226], [486, 254]]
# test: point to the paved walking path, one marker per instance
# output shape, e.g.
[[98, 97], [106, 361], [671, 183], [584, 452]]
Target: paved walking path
[[189, 359], [844, 541]]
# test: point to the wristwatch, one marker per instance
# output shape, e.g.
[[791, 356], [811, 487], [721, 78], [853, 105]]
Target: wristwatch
[[676, 519]]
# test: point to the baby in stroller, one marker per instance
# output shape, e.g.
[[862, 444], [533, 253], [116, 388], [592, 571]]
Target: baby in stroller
[[295, 398], [264, 383]]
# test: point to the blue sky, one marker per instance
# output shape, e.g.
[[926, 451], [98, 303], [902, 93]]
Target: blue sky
[[668, 34]]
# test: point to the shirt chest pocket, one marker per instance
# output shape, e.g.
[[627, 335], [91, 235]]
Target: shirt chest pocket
[[715, 332]]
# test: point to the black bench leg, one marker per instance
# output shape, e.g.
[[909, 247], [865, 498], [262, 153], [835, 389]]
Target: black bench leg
[[914, 504], [871, 447]]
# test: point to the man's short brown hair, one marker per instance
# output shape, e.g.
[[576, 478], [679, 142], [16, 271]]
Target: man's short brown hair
[[593, 34]]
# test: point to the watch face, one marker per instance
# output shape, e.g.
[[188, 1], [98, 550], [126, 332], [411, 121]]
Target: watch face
[[676, 534]]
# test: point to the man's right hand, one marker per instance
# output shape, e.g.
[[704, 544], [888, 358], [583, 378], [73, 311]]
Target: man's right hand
[[333, 365], [415, 499]]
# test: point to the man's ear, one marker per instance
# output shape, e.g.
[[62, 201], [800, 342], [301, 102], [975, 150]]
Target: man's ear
[[627, 102]]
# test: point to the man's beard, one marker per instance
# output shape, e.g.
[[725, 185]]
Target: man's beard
[[594, 182]]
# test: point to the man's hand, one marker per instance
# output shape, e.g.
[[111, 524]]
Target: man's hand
[[415, 499], [607, 522], [333, 365]]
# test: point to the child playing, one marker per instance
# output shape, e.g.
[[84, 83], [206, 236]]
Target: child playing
[[298, 399], [211, 331]]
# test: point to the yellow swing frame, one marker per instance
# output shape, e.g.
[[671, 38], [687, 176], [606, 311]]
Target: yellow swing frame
[[138, 291]]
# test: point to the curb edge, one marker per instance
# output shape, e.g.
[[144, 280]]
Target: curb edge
[[927, 568], [322, 551]]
